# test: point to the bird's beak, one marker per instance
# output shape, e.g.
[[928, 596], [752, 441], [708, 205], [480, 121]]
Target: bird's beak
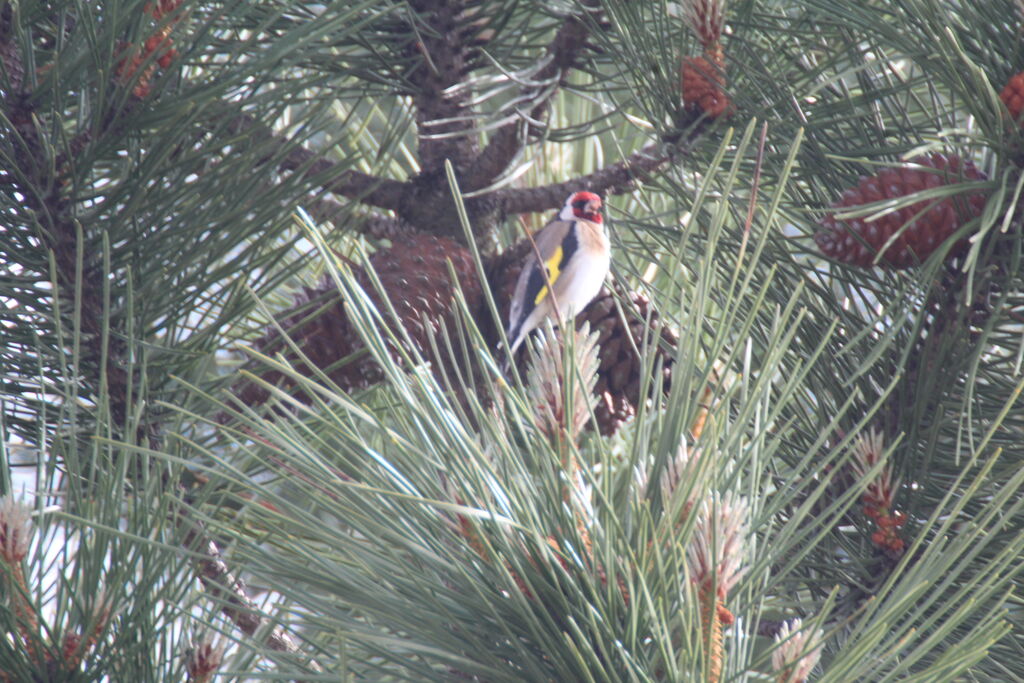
[[594, 206]]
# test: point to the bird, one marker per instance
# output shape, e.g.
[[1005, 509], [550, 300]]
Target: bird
[[575, 257]]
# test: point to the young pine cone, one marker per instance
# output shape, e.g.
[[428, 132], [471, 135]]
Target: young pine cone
[[703, 83], [1013, 97], [857, 241]]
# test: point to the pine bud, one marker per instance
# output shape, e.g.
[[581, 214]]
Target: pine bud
[[797, 651], [15, 530], [548, 376], [202, 660], [716, 553], [717, 559], [706, 19]]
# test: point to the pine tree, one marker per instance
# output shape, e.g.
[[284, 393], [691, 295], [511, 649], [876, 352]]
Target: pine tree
[[256, 264]]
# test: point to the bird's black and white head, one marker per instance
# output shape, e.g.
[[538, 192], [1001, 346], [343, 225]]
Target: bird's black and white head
[[582, 205]]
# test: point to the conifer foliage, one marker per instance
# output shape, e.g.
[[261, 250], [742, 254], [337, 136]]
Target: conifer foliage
[[255, 265]]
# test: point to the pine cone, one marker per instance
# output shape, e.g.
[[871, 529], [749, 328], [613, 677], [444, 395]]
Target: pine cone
[[1013, 97], [619, 374], [414, 274], [857, 242], [11, 60], [159, 42], [703, 83]]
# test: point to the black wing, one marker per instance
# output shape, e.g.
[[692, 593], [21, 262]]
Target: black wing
[[537, 284]]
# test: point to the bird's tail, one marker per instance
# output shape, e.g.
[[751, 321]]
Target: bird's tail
[[515, 335]]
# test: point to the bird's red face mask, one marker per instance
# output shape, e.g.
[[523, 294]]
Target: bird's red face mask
[[587, 206]]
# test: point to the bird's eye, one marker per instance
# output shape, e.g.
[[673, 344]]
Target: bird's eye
[[579, 204]]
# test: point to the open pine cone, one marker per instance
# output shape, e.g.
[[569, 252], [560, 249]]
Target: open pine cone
[[857, 241], [619, 373]]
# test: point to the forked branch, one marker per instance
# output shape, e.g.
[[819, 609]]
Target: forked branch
[[612, 179], [509, 140]]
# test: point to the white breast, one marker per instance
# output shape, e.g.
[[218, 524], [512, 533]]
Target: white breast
[[584, 278]]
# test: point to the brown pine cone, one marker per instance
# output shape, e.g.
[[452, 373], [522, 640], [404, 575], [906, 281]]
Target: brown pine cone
[[619, 373], [1013, 97], [414, 273], [502, 274], [703, 83], [11, 60], [857, 242]]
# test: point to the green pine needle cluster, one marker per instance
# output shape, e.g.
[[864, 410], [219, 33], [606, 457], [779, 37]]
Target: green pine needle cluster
[[462, 525]]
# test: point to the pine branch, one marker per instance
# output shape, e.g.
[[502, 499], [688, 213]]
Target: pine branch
[[613, 179], [80, 282], [383, 193], [81, 285], [508, 142], [443, 119], [221, 584], [328, 210], [352, 184]]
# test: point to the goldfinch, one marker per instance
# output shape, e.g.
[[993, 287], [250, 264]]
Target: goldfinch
[[576, 256]]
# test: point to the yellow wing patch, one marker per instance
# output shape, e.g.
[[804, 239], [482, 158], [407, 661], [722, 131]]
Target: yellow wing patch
[[551, 265]]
